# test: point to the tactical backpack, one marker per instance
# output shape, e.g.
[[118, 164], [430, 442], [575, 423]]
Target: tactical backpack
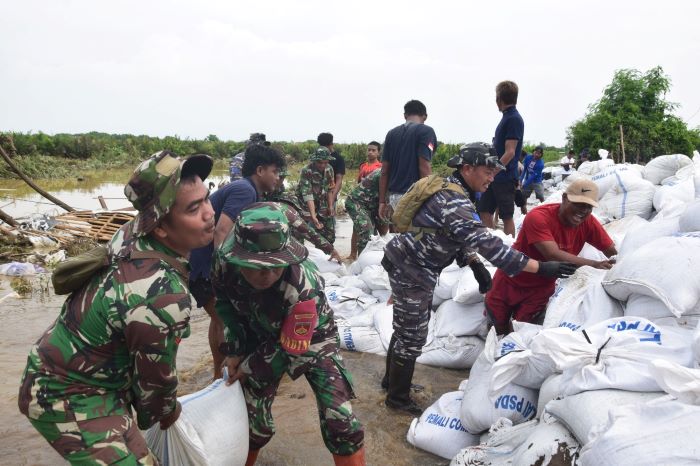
[[415, 197], [72, 274]]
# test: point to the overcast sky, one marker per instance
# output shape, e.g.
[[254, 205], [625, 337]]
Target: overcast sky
[[292, 69]]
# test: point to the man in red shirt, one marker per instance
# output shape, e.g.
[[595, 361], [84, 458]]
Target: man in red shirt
[[550, 232], [372, 163]]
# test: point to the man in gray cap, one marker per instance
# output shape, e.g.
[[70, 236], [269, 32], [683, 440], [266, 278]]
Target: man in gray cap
[[112, 350], [446, 227]]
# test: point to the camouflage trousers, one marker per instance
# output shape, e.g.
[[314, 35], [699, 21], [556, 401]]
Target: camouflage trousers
[[363, 222], [342, 432], [411, 315], [98, 441]]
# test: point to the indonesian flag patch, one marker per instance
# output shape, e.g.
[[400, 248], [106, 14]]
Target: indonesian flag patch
[[298, 327]]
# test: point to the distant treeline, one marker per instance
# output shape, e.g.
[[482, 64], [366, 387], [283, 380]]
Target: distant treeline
[[35, 152]]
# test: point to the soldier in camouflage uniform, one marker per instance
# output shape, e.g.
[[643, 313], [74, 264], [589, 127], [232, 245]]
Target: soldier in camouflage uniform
[[315, 193], [301, 230], [445, 228], [362, 205], [270, 298], [236, 165], [113, 346]]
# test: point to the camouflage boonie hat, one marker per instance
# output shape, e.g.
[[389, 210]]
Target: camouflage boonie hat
[[261, 239], [153, 186], [322, 153], [257, 138], [476, 154]]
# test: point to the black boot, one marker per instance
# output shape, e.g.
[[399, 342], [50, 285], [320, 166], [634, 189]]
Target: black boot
[[397, 395], [385, 380]]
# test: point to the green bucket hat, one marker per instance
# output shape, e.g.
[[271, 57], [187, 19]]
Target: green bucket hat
[[153, 186], [322, 153], [261, 239]]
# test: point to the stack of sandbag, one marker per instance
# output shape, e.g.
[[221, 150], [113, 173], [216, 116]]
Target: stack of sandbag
[[211, 430], [513, 402], [439, 429], [659, 280]]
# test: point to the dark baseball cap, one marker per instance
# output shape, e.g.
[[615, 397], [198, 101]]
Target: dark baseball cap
[[476, 154]]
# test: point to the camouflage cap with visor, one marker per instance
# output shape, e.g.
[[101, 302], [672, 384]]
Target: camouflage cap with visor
[[476, 154], [257, 138], [322, 153], [261, 239], [153, 186]]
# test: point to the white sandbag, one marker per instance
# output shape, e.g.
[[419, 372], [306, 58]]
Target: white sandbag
[[613, 176], [638, 237], [618, 229], [373, 252], [211, 430], [680, 382], [439, 429], [375, 278], [549, 443], [656, 311], [452, 352], [591, 168], [690, 218], [516, 403], [630, 197], [382, 295], [665, 268], [501, 441], [663, 166], [550, 390], [612, 354], [453, 318], [436, 302], [384, 323], [696, 345], [581, 301], [660, 431], [366, 317], [446, 281], [348, 302], [674, 196], [584, 413], [467, 289], [324, 263], [361, 339], [346, 281]]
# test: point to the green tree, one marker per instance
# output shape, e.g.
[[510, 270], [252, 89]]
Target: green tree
[[637, 101]]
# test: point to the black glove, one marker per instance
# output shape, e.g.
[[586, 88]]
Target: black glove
[[556, 269], [519, 198], [482, 276]]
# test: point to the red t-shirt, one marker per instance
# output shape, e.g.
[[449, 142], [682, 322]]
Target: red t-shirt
[[366, 169], [542, 224]]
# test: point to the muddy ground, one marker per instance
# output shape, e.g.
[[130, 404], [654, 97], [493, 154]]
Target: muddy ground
[[298, 439]]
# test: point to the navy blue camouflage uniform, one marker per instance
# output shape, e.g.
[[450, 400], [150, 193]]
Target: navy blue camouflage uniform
[[414, 260]]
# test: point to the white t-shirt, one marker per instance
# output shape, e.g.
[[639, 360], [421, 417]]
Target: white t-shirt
[[566, 160]]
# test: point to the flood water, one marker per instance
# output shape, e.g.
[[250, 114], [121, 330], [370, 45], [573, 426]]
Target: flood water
[[298, 439]]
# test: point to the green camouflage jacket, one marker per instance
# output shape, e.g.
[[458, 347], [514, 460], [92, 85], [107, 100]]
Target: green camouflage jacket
[[114, 342], [315, 186], [253, 319]]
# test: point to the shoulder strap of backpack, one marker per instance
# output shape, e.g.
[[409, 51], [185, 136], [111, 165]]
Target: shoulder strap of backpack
[[152, 254]]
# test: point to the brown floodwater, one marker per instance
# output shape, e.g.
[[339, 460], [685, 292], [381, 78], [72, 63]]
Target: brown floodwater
[[298, 439]]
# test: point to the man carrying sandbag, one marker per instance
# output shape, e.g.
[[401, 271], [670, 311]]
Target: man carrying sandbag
[[114, 344], [443, 226], [277, 320], [550, 232]]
